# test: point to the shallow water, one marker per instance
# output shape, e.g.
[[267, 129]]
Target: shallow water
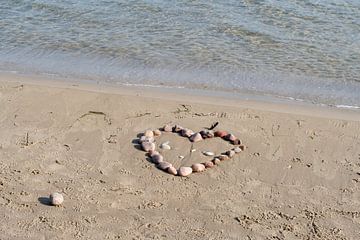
[[301, 49]]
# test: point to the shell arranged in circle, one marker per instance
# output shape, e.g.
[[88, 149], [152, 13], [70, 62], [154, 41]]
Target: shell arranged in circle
[[147, 143]]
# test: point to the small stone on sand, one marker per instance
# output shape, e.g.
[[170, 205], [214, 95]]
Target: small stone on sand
[[148, 146], [198, 167], [208, 164], [172, 170], [184, 171], [164, 165], [220, 134], [196, 137], [149, 133], [167, 128], [157, 132], [56, 199]]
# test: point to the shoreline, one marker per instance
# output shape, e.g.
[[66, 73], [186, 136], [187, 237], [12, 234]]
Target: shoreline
[[218, 98]]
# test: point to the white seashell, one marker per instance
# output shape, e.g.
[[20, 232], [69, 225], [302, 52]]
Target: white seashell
[[198, 167], [237, 150], [193, 150], [196, 137], [230, 153], [223, 157], [208, 153], [181, 157], [165, 146], [157, 132], [216, 161], [172, 170], [164, 165], [56, 199], [146, 139], [149, 133], [184, 171], [167, 128], [148, 146]]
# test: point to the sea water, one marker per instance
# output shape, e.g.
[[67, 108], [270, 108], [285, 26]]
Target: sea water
[[307, 50]]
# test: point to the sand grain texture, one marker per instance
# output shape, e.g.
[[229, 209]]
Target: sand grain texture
[[299, 178]]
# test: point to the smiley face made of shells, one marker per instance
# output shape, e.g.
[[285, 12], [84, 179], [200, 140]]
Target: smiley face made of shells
[[147, 142]]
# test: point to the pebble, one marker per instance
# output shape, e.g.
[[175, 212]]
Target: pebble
[[184, 171], [242, 147], [230, 153], [237, 150], [56, 199], [198, 167], [149, 133], [157, 158], [207, 134], [223, 157], [208, 164], [164, 165], [146, 139], [157, 132], [208, 153], [216, 161], [186, 132], [172, 170], [196, 137], [236, 142], [165, 146], [148, 146], [230, 137], [167, 128], [177, 128], [220, 134]]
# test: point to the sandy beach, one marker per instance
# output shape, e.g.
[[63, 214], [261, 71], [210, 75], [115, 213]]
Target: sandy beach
[[299, 177]]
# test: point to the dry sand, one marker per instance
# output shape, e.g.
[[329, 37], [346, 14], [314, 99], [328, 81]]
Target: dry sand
[[298, 179]]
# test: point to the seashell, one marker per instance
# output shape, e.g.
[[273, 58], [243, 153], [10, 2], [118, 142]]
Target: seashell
[[186, 132], [230, 153], [157, 132], [216, 161], [198, 167], [220, 134], [181, 157], [157, 158], [193, 150], [172, 170], [184, 171], [164, 165], [148, 146], [242, 147], [237, 150], [230, 137], [146, 139], [208, 153], [236, 142], [223, 157], [167, 128], [56, 199], [165, 146], [196, 137], [149, 133], [177, 128], [209, 164]]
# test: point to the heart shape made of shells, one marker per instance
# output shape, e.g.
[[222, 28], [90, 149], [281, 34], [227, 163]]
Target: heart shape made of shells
[[147, 142]]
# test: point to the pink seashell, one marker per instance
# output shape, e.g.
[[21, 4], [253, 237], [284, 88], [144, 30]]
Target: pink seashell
[[184, 171], [157, 158], [196, 137], [220, 134], [172, 170], [149, 133], [148, 146], [230, 137], [164, 165], [208, 164], [198, 167]]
